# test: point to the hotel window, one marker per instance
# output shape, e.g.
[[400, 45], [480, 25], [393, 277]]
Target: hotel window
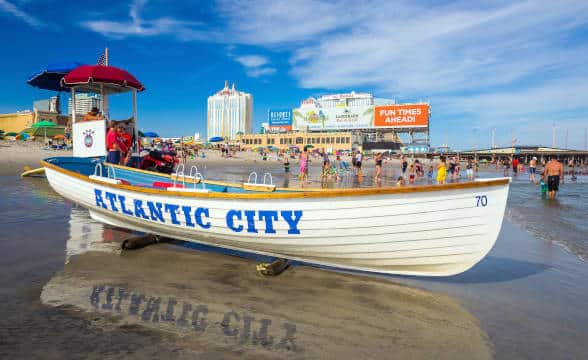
[[332, 140], [338, 140], [281, 141], [322, 140], [299, 140], [347, 139]]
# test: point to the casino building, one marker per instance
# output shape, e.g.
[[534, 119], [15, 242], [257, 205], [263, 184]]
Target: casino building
[[230, 112]]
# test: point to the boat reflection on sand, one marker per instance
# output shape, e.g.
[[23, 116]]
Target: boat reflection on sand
[[215, 303]]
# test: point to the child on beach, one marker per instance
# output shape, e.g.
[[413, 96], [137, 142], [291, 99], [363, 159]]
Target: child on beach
[[411, 174], [400, 181], [441, 171]]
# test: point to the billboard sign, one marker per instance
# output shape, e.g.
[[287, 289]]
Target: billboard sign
[[313, 117], [401, 116], [280, 120]]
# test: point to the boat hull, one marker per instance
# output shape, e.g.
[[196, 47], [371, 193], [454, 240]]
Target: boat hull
[[428, 233]]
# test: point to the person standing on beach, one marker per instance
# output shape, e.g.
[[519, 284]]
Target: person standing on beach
[[358, 160], [553, 171], [378, 160], [451, 167], [441, 171], [532, 169], [113, 156], [470, 170], [404, 164], [515, 165], [304, 166]]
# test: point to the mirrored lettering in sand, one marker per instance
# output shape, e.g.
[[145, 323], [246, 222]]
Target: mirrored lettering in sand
[[217, 303]]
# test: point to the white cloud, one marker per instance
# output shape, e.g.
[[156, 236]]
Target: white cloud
[[15, 11], [255, 65], [137, 26], [252, 60]]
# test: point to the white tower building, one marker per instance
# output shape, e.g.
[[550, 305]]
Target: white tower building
[[229, 112], [84, 103]]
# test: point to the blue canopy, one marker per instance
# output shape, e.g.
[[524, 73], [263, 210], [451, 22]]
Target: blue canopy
[[215, 139], [150, 134], [50, 77]]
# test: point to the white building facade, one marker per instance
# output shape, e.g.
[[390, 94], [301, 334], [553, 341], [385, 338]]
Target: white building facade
[[229, 112], [84, 103]]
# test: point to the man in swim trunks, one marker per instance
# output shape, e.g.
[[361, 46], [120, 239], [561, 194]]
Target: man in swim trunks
[[532, 169], [553, 171]]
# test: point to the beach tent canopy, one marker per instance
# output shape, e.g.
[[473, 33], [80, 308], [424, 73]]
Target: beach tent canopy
[[98, 78], [50, 77], [215, 139], [150, 134], [43, 123]]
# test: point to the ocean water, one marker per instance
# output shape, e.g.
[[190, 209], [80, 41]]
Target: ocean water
[[563, 221]]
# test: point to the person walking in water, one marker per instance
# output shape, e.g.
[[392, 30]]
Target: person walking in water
[[470, 169], [304, 166], [441, 171], [532, 169], [378, 160], [553, 171]]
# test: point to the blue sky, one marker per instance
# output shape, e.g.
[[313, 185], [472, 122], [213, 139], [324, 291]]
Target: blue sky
[[519, 67]]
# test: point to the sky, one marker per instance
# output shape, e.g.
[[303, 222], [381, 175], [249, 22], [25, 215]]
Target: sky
[[517, 67]]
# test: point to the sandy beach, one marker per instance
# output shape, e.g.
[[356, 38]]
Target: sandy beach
[[72, 291]]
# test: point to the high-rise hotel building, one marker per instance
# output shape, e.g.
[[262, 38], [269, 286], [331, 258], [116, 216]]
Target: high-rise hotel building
[[230, 112], [84, 103]]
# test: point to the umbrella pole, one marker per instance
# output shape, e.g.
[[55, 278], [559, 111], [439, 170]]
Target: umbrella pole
[[135, 128]]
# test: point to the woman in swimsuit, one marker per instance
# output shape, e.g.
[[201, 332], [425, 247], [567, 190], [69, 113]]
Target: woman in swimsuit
[[441, 171], [378, 159], [304, 166]]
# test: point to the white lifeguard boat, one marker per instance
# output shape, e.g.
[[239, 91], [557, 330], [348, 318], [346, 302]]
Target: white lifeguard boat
[[432, 230]]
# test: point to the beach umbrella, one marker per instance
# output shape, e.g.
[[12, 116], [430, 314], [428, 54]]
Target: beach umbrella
[[94, 78], [11, 134], [150, 134], [50, 77], [140, 133], [22, 136], [44, 124], [309, 146], [215, 139]]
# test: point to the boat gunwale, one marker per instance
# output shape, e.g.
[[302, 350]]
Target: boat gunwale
[[292, 193]]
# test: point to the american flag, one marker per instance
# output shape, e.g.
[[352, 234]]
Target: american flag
[[102, 59]]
